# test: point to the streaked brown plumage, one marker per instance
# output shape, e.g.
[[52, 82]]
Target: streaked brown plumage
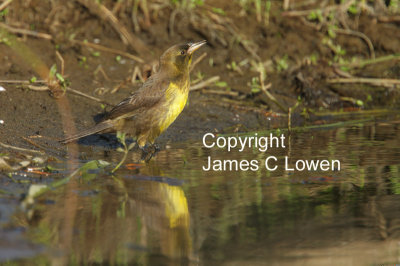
[[151, 109]]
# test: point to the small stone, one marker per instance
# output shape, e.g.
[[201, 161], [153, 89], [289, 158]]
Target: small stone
[[24, 163], [38, 160]]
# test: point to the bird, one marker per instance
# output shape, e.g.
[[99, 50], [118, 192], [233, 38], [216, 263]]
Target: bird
[[150, 110]]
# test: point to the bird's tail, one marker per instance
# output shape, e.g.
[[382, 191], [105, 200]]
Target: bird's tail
[[97, 128]]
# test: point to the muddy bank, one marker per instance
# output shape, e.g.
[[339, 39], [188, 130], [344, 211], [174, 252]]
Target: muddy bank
[[329, 71], [293, 57]]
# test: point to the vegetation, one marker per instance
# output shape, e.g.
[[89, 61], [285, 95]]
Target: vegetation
[[301, 62]]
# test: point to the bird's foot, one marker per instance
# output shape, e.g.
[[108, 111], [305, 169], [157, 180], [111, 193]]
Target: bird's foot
[[156, 148], [149, 151]]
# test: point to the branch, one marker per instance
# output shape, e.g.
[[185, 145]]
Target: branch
[[390, 83]]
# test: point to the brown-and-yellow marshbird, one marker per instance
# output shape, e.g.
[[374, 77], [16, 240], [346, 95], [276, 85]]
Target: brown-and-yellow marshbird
[[150, 110]]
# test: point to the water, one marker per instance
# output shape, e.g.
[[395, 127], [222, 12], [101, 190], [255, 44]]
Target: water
[[170, 211]]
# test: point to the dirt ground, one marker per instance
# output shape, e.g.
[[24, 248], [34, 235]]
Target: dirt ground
[[31, 118]]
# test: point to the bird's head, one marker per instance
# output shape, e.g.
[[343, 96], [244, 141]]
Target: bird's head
[[178, 58]]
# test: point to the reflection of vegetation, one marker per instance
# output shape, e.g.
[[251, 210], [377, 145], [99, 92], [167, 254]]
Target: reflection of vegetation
[[85, 172], [395, 178], [267, 207], [122, 139], [134, 218]]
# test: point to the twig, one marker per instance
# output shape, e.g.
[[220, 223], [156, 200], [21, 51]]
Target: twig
[[101, 11], [314, 26], [119, 85], [222, 92], [205, 83], [45, 88], [5, 4], [62, 62], [342, 73], [26, 32], [15, 81], [291, 109], [33, 143], [297, 4], [116, 8], [38, 88], [348, 99], [226, 24], [20, 149], [134, 16], [286, 4], [372, 61], [29, 84], [265, 88], [109, 50], [372, 81], [145, 10], [137, 73], [245, 43], [88, 96], [201, 57], [372, 113], [301, 13], [390, 19], [360, 35], [171, 23], [297, 13], [100, 69]]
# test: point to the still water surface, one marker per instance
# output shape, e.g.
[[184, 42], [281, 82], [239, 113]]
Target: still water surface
[[172, 212]]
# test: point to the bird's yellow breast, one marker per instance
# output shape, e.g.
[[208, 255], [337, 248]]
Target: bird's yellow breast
[[176, 97]]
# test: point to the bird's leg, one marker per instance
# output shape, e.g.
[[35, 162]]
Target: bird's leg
[[148, 151], [151, 148], [155, 147]]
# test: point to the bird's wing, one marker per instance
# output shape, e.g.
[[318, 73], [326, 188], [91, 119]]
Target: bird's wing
[[151, 92]]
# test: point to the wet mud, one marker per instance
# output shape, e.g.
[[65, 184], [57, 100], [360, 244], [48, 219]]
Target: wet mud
[[279, 73], [28, 113]]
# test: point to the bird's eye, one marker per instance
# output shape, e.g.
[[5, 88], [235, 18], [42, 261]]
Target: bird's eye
[[183, 52]]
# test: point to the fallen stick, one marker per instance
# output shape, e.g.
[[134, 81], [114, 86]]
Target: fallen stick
[[88, 96], [26, 32], [205, 83], [223, 92], [389, 19], [20, 149], [127, 37], [33, 143], [372, 81], [376, 60], [361, 36], [264, 89], [109, 50], [5, 4], [15, 81], [201, 57], [45, 88]]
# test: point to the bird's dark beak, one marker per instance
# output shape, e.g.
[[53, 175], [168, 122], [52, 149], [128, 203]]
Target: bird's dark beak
[[194, 46]]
